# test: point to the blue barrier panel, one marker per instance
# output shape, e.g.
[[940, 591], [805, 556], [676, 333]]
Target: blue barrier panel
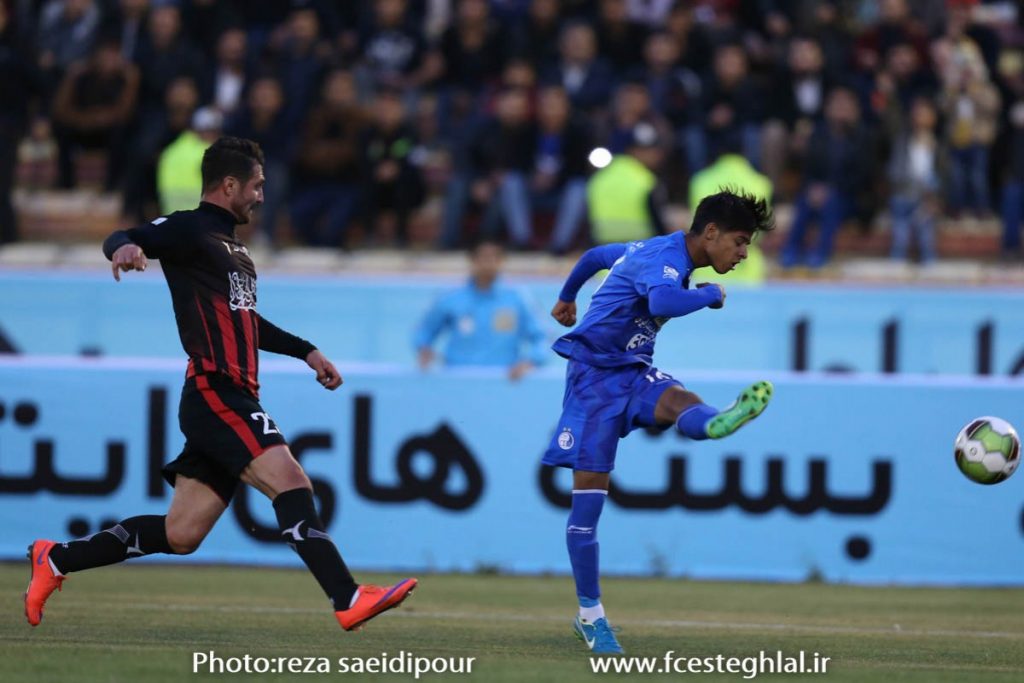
[[846, 479], [371, 319]]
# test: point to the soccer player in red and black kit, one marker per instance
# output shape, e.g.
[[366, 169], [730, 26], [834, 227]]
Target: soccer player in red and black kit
[[228, 436]]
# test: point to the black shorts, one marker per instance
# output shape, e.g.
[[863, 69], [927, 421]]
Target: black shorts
[[224, 428]]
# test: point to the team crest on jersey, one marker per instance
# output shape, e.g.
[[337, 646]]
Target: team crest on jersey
[[243, 291], [504, 320], [670, 273], [565, 439], [637, 341]]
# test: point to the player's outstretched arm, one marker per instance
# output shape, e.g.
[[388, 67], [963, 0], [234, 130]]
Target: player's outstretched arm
[[669, 301], [165, 237], [564, 312], [326, 373], [276, 340], [592, 261], [127, 257]]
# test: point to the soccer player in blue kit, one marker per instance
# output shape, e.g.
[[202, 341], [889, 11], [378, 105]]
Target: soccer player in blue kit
[[612, 387]]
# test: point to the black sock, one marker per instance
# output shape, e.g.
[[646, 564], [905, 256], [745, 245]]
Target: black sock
[[133, 537], [302, 529]]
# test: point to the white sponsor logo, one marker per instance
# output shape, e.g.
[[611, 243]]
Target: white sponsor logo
[[670, 273], [565, 440], [158, 221], [236, 248], [573, 529], [243, 291], [637, 341]]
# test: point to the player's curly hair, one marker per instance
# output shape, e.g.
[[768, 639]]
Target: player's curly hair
[[733, 210], [229, 156]]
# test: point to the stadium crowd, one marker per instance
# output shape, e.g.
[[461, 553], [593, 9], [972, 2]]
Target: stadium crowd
[[389, 122]]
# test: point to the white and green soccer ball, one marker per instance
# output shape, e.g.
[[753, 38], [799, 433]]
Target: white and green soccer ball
[[987, 450]]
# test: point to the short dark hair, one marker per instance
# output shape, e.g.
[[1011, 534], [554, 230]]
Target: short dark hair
[[733, 210], [478, 244], [229, 156]]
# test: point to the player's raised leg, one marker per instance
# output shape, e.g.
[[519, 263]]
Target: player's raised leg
[[194, 510], [697, 420], [589, 491], [279, 476]]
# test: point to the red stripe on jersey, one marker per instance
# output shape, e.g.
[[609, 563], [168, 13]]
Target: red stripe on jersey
[[191, 371], [226, 327], [250, 350], [206, 329], [231, 418]]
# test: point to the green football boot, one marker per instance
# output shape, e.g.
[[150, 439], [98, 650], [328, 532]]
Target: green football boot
[[749, 404]]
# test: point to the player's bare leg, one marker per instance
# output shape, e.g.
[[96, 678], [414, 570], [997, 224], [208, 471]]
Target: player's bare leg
[[697, 420], [279, 476], [194, 510]]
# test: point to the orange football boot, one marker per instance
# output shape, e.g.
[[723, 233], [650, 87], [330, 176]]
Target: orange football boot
[[372, 601], [43, 581]]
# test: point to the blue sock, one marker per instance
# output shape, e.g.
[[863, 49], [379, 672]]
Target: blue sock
[[581, 538], [692, 421]]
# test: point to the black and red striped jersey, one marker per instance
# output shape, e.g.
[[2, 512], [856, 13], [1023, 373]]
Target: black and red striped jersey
[[213, 290]]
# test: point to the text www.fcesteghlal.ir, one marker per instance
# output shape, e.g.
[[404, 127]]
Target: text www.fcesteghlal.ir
[[400, 663], [750, 667]]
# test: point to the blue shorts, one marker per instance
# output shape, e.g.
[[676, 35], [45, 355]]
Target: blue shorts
[[602, 405]]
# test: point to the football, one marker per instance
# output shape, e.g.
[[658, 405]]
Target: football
[[987, 450]]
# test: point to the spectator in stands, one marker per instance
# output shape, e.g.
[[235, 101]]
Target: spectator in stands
[[487, 323], [128, 23], [502, 156], [301, 58], [432, 156], [261, 119], [904, 76], [165, 54], [631, 106], [19, 86], [691, 36], [620, 40], [558, 182], [392, 186], [93, 109], [179, 182], [205, 21], [1013, 183], [915, 176], [970, 104], [624, 199], [325, 180], [536, 37], [472, 50], [153, 134], [837, 170], [68, 30], [227, 78], [392, 53], [583, 73], [731, 107], [674, 90], [896, 25], [795, 102]]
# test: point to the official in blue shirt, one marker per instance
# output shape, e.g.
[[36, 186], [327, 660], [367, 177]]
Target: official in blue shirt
[[487, 323]]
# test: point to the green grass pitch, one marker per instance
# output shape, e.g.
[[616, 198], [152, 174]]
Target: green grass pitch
[[142, 623]]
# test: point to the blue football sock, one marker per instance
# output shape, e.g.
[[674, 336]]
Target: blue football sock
[[581, 538], [692, 421]]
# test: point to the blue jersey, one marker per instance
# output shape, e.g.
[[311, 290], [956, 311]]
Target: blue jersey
[[485, 327], [618, 328]]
